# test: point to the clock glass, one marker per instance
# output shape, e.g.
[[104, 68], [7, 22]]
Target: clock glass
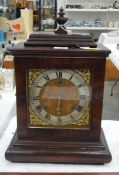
[[59, 98]]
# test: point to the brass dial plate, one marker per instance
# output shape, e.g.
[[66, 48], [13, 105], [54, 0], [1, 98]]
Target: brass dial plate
[[59, 98]]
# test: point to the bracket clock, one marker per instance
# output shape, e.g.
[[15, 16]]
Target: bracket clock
[[59, 95]]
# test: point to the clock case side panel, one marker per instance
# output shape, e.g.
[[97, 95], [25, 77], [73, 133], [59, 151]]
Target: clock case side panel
[[21, 94], [22, 66], [98, 78]]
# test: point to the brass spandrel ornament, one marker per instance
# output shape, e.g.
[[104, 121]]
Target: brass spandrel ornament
[[33, 73]]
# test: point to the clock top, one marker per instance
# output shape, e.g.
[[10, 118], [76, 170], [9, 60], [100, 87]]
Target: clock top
[[43, 43]]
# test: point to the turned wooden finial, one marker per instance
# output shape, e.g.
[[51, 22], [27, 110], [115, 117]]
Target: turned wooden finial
[[61, 20]]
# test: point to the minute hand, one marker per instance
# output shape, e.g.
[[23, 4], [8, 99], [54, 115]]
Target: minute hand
[[58, 106]]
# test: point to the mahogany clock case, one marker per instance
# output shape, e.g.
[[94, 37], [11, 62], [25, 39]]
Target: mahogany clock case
[[59, 144]]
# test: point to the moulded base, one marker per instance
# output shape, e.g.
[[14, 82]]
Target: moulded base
[[29, 150]]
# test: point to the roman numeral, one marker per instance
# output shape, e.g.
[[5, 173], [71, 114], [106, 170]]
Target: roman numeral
[[47, 116], [71, 117], [36, 98], [78, 108], [38, 86], [59, 74], [39, 108], [71, 77], [46, 77], [81, 85], [59, 120], [82, 97]]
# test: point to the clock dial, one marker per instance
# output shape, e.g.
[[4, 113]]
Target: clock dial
[[59, 97]]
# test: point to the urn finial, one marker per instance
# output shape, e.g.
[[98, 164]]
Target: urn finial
[[61, 20]]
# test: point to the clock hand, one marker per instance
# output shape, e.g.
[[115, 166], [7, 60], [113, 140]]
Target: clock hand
[[58, 105]]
